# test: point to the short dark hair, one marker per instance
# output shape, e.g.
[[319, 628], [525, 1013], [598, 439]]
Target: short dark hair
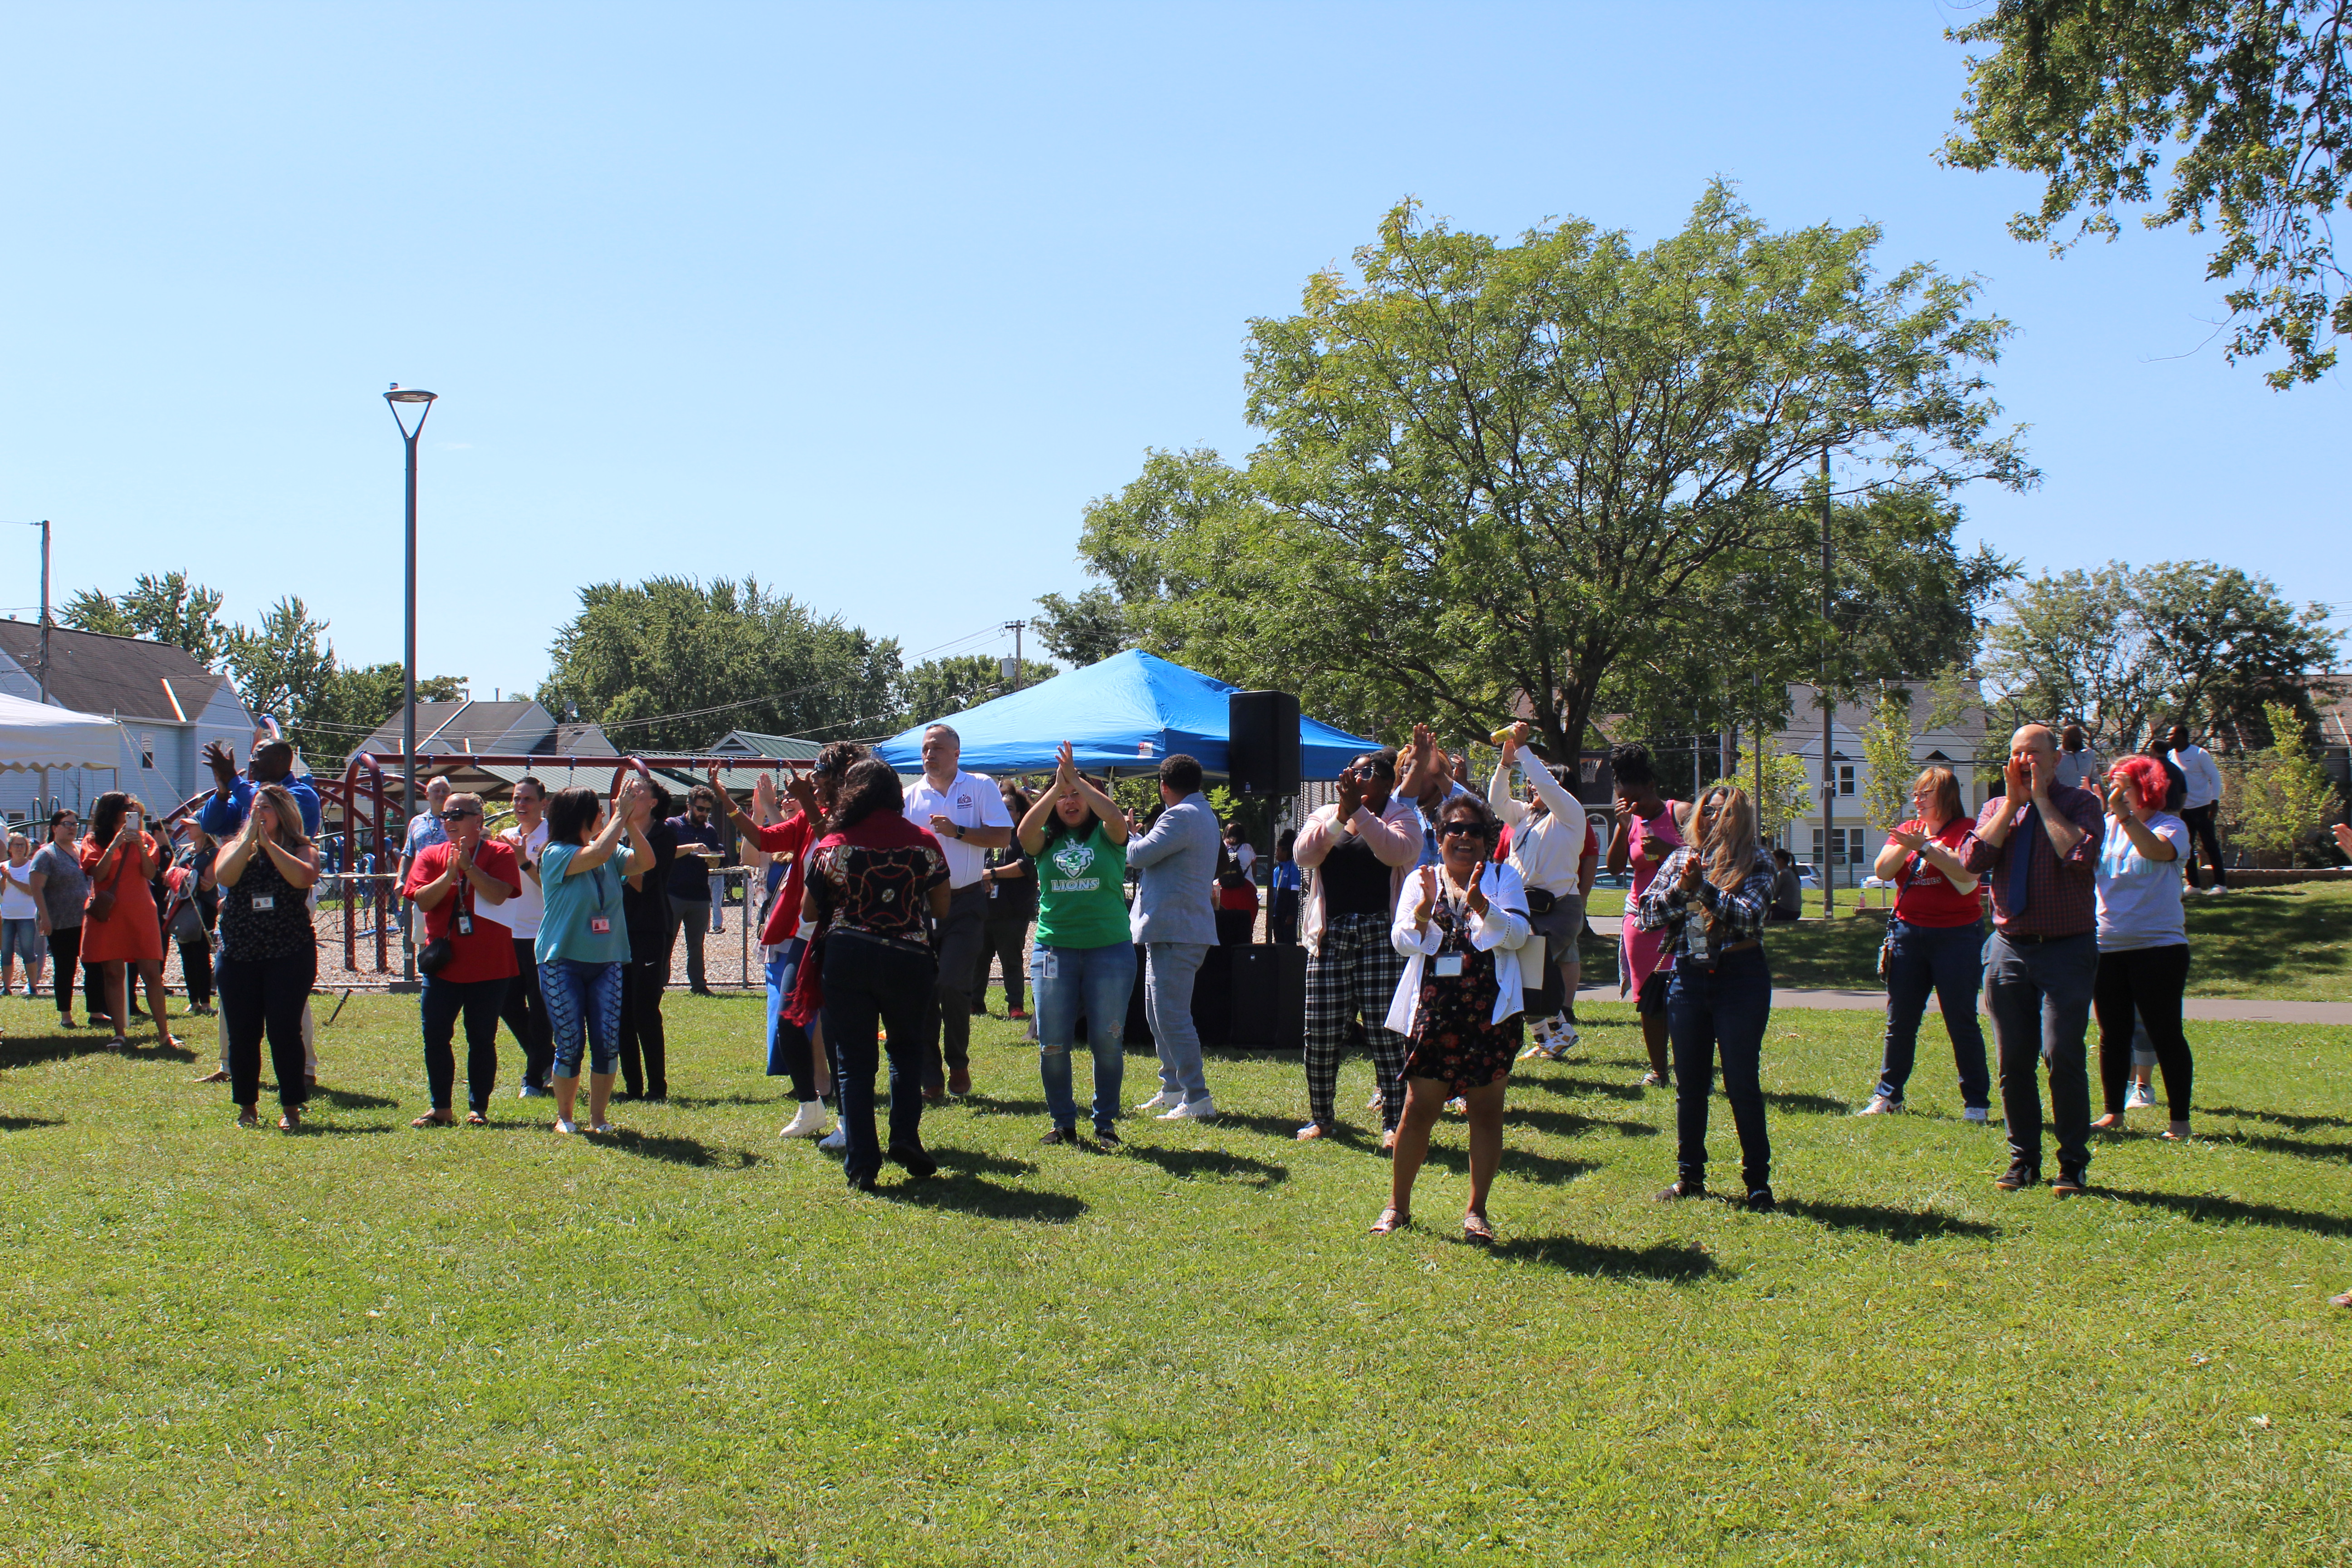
[[1384, 766], [1783, 856], [571, 813], [1630, 764], [1490, 826], [872, 785], [1180, 773], [836, 758], [535, 782], [701, 794]]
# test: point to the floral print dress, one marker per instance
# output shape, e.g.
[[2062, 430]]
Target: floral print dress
[[1454, 1037]]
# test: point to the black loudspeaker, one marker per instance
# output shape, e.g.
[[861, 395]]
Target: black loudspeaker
[[1262, 755], [1212, 999], [1269, 997]]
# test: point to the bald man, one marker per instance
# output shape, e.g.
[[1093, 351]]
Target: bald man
[[2038, 847]]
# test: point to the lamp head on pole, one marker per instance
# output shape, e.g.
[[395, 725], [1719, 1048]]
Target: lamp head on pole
[[401, 398]]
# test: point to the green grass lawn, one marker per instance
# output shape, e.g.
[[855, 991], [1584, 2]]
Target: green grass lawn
[[2290, 943], [687, 1344]]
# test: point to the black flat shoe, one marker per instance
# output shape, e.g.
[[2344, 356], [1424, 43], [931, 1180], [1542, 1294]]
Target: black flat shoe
[[1760, 1200], [911, 1158], [1059, 1135], [2018, 1177], [862, 1183], [1108, 1137]]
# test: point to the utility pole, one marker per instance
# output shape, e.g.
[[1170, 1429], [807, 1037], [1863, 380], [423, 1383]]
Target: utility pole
[[1016, 627], [1829, 716], [45, 611]]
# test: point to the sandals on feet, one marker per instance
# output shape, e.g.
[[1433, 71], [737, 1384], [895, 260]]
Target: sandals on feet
[[289, 1122], [1392, 1219], [475, 1119], [433, 1118], [211, 1078], [247, 1118], [1313, 1131], [1475, 1228]]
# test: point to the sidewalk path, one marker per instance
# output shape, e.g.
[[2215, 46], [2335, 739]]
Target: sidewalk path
[[2209, 1009]]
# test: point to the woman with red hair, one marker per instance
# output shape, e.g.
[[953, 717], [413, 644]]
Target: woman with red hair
[[2143, 938]]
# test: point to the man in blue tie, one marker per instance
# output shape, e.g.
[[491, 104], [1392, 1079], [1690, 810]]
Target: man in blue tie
[[2038, 844]]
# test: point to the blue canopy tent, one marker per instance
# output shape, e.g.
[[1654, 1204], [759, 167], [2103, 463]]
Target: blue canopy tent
[[1125, 713]]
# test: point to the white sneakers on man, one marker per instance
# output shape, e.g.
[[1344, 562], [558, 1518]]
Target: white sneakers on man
[[836, 1141], [1164, 1100], [1200, 1110], [1881, 1106], [807, 1121]]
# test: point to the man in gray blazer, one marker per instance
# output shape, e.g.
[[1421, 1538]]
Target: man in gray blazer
[[1176, 925]]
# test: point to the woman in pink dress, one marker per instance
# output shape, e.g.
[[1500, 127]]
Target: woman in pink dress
[[121, 857], [1647, 834]]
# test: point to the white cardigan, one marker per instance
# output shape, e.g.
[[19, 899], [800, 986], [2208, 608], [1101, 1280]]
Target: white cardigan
[[1502, 930]]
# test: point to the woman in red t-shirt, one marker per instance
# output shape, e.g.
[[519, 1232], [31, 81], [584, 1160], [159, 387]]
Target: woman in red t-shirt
[[459, 884], [1934, 943]]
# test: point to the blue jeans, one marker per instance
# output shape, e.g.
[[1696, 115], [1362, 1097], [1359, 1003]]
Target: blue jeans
[[868, 982], [789, 1055], [2039, 994], [582, 998], [1097, 982], [1720, 1010], [1168, 1000], [439, 1008], [1947, 961]]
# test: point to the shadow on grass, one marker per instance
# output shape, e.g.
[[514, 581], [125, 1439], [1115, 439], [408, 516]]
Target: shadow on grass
[[974, 1163], [351, 1100], [2231, 1211], [676, 1148], [1809, 1104], [985, 1199], [1569, 1124], [1519, 1164], [1211, 1164], [1285, 1128], [54, 1047], [25, 1124], [992, 1106], [2278, 1118], [697, 1101], [2337, 1153], [1907, 1226], [1577, 1088], [313, 1128], [1676, 1265]]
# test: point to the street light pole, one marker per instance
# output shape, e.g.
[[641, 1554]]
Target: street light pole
[[1829, 716], [398, 400]]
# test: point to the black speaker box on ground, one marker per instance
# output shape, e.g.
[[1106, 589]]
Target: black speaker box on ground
[[1269, 997], [1262, 745]]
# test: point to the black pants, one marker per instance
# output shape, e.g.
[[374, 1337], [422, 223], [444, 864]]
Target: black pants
[[65, 954], [948, 1031], [1235, 927], [442, 1002], [265, 996], [645, 1052], [1004, 939], [525, 1012], [2199, 822], [694, 914], [196, 972], [1720, 1009], [2039, 994], [1282, 918], [2147, 981], [868, 983]]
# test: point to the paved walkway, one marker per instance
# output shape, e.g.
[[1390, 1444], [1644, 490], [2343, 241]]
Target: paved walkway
[[2207, 1009]]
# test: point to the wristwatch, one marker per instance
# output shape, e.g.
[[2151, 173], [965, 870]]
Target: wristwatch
[[959, 830]]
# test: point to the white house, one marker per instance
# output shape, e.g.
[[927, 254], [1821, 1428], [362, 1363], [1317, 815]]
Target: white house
[[1851, 842]]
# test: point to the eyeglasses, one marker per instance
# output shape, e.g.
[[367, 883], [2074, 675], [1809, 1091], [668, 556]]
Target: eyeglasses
[[1475, 830], [458, 815]]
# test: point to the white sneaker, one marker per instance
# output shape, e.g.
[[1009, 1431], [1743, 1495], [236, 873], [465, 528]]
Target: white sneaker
[[1374, 1102], [807, 1122], [1200, 1110], [2140, 1098], [836, 1141], [1881, 1106], [1539, 1038], [1976, 1113], [1163, 1101], [1563, 1035]]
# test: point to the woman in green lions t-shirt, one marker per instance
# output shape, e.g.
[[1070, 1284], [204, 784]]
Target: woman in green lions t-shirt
[[1084, 961]]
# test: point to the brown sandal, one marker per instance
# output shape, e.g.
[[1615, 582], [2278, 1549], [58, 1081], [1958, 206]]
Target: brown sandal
[[1475, 1228], [1392, 1219], [2342, 1300], [211, 1078], [433, 1118], [475, 1119], [291, 1121]]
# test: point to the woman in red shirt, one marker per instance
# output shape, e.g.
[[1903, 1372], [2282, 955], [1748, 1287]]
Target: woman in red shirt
[[460, 883], [1934, 943], [122, 858]]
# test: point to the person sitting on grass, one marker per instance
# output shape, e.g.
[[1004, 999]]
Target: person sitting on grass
[[583, 938], [1460, 924], [1077, 837], [2143, 940], [269, 954], [1708, 899]]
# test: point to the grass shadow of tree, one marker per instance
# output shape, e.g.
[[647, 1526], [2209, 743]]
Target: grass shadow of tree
[[25, 1123], [2296, 1147], [1672, 1263], [350, 1100], [985, 1199], [2278, 1118], [1802, 1104], [975, 1164], [1578, 1087], [2231, 1211], [677, 1148], [2259, 937], [1569, 1124], [1519, 1164], [1211, 1164], [1909, 1226]]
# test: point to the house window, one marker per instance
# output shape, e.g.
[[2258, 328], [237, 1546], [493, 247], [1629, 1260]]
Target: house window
[[1846, 778], [1848, 846]]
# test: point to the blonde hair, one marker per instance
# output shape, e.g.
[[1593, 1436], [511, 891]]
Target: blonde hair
[[289, 834], [1727, 848], [1947, 785]]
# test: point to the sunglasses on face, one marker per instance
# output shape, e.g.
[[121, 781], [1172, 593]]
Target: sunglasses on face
[[1454, 829], [458, 815]]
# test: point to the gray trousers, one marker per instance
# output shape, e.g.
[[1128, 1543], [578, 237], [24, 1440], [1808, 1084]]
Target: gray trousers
[[2039, 994], [960, 934], [1170, 969]]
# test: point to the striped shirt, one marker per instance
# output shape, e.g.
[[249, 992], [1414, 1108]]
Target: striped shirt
[[2061, 896]]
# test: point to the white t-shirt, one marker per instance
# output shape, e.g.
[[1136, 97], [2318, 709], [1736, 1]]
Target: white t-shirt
[[2139, 898], [971, 801], [2202, 775], [520, 914], [16, 902], [1244, 857]]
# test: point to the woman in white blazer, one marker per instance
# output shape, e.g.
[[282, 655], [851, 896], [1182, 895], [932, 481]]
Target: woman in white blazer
[[1460, 924]]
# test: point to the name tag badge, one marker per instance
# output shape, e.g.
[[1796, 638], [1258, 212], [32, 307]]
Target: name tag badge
[[264, 902], [464, 925], [1047, 966], [601, 925], [1449, 965]]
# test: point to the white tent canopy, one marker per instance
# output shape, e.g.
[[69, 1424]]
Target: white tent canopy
[[35, 736]]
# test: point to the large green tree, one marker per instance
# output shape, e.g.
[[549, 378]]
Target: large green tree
[[1083, 630], [2240, 109], [168, 608], [2126, 651], [670, 663], [1567, 473]]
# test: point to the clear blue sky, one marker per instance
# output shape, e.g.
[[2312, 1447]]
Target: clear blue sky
[[870, 301]]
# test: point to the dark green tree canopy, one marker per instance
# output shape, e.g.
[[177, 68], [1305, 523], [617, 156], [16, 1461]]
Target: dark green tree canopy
[[168, 608], [670, 663], [1085, 630], [1500, 473], [2241, 108]]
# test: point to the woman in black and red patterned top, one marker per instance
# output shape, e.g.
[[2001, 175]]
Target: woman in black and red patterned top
[[876, 883]]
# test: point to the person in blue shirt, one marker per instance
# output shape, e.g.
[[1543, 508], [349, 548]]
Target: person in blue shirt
[[583, 938], [271, 761], [1281, 907]]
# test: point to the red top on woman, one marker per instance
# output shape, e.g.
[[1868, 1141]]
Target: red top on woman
[[131, 931], [1928, 897]]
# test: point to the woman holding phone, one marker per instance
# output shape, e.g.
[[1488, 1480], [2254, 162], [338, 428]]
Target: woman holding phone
[[269, 955], [120, 928]]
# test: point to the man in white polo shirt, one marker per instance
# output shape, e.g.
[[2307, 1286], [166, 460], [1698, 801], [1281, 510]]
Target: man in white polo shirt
[[968, 814]]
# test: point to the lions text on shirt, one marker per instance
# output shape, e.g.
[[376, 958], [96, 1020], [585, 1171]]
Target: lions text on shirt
[[969, 800]]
